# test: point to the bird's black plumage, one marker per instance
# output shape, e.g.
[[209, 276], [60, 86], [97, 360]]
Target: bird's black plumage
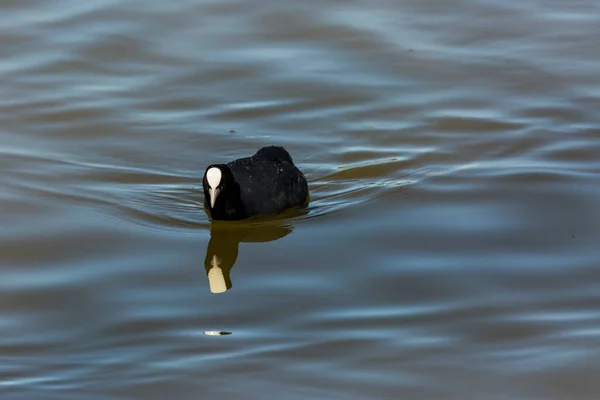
[[266, 183]]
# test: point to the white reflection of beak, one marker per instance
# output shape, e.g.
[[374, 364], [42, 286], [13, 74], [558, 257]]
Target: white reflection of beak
[[213, 193], [216, 279]]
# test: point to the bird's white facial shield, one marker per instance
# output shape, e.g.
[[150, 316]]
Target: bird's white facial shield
[[213, 177]]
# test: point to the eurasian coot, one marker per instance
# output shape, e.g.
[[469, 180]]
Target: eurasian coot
[[266, 183]]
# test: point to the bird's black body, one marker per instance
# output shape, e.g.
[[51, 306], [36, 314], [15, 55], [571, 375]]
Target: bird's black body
[[266, 183]]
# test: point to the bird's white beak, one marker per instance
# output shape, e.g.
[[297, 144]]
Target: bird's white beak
[[213, 193]]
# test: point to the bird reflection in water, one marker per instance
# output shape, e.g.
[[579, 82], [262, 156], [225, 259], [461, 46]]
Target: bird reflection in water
[[225, 237]]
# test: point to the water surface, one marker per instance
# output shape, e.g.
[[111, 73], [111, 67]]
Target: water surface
[[450, 250]]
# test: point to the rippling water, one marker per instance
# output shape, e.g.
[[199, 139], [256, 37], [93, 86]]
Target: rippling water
[[450, 250]]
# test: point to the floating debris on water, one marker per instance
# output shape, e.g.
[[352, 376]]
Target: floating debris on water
[[216, 333]]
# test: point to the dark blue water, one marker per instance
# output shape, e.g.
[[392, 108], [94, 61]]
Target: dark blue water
[[450, 250]]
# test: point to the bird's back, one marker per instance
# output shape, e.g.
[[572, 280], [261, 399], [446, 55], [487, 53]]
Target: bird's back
[[269, 181]]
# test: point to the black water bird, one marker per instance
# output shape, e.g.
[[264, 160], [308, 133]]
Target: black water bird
[[266, 183]]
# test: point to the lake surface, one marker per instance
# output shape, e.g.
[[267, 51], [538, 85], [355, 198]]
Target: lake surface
[[451, 249]]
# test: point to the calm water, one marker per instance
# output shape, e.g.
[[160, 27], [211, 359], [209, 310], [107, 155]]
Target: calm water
[[450, 251]]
